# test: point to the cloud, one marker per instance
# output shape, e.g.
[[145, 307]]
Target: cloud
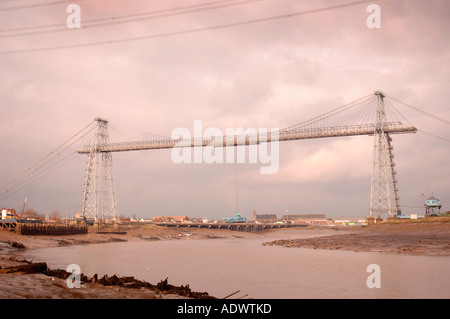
[[272, 74], [330, 162]]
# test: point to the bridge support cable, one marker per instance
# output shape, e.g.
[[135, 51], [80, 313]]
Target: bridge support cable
[[435, 117], [348, 120], [319, 121], [49, 163], [421, 111]]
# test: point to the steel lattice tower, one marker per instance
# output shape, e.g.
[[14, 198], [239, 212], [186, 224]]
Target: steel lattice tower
[[384, 192], [99, 200]]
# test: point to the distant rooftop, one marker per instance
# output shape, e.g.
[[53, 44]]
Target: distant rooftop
[[304, 216]]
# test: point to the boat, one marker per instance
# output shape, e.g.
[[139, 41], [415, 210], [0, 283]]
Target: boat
[[236, 219]]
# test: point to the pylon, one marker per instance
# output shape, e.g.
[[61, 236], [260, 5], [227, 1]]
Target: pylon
[[99, 199], [384, 192]]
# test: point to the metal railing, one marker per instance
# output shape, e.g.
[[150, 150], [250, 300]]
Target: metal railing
[[251, 139]]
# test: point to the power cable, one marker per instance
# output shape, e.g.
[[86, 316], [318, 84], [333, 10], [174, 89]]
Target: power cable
[[189, 31], [129, 18], [44, 4]]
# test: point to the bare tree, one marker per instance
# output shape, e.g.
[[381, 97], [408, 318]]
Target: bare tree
[[31, 213], [56, 214]]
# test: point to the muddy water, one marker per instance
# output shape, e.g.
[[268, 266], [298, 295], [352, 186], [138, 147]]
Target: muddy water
[[222, 266]]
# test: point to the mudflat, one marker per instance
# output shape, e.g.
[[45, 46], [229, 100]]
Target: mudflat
[[39, 284], [426, 239]]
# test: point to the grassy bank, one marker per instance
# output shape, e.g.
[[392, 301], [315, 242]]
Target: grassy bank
[[440, 219]]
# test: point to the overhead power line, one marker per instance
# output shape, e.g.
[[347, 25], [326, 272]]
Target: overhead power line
[[188, 31], [43, 4], [102, 22]]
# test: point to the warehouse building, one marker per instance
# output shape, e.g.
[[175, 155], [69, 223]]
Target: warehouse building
[[264, 218]]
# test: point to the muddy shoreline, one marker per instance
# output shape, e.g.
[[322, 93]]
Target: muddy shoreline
[[422, 239], [51, 283], [426, 239], [98, 285]]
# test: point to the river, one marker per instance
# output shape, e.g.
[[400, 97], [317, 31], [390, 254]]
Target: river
[[222, 266]]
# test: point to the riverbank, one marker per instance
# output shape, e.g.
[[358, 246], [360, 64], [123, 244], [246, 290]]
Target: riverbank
[[51, 283], [23, 279], [430, 239], [125, 233], [409, 238], [45, 284]]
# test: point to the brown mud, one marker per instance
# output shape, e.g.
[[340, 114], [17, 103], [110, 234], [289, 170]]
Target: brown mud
[[20, 278], [425, 239]]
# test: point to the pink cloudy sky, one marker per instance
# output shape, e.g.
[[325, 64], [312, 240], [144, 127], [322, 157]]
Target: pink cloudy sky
[[264, 75]]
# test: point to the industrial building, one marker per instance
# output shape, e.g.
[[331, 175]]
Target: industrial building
[[349, 221], [264, 218], [170, 219], [9, 214], [292, 217]]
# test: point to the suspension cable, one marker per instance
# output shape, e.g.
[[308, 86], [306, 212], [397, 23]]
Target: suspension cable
[[421, 111], [330, 113], [34, 168]]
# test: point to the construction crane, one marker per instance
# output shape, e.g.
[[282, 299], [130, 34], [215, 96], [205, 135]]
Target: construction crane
[[24, 206]]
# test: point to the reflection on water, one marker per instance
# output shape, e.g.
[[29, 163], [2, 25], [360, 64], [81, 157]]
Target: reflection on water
[[222, 266]]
